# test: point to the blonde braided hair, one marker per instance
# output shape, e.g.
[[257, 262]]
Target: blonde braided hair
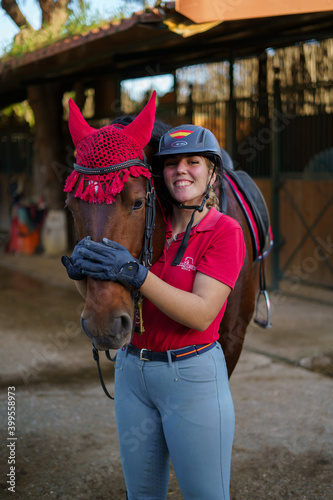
[[212, 200]]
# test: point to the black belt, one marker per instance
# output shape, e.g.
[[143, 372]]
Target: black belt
[[177, 355]]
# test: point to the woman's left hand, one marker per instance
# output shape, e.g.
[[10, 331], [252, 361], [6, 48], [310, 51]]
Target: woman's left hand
[[110, 261], [71, 263]]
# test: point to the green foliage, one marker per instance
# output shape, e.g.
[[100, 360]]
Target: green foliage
[[80, 20], [20, 112], [86, 19]]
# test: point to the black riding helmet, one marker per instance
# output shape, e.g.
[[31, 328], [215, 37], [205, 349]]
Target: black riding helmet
[[194, 140], [190, 139]]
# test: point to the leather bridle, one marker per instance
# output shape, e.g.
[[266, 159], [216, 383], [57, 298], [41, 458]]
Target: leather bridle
[[146, 255]]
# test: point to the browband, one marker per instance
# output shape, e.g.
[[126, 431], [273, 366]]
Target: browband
[[111, 168]]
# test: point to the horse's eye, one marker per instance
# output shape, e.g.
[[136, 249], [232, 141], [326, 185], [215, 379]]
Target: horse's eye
[[137, 205]]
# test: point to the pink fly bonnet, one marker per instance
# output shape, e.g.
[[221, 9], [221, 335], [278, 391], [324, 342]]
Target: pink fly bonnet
[[104, 147]]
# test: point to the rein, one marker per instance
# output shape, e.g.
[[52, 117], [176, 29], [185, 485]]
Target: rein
[[146, 255]]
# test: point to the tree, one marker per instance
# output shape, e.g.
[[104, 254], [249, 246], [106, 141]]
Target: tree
[[46, 103], [51, 10], [46, 99], [14, 12]]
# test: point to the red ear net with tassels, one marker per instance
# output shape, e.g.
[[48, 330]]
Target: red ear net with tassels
[[104, 147]]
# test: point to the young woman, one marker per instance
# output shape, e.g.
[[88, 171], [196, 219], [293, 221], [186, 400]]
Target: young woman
[[172, 396]]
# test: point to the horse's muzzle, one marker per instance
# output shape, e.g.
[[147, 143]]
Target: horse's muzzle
[[117, 333]]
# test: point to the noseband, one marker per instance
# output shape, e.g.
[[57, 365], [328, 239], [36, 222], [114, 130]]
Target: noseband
[[146, 255]]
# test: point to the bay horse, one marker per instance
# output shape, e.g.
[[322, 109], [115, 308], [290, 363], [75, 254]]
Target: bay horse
[[109, 311]]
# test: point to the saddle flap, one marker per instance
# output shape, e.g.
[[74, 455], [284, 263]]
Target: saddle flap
[[249, 193]]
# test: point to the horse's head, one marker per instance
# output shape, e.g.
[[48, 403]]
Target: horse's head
[[108, 312], [111, 204]]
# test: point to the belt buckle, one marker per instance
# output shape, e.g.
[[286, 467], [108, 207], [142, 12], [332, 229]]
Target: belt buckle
[[142, 358]]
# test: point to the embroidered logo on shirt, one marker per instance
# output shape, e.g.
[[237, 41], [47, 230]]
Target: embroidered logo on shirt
[[188, 265]]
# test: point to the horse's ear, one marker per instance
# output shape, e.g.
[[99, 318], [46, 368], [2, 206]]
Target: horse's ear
[[77, 125], [141, 128]]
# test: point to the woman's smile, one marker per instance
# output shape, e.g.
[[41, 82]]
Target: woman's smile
[[186, 177], [182, 184]]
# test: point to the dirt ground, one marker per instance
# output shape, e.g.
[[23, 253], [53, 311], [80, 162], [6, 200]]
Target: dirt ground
[[66, 445]]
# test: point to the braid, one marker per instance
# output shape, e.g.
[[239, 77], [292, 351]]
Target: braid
[[212, 200]]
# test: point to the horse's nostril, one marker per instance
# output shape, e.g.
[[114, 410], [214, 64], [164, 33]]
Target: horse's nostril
[[84, 327], [126, 323]]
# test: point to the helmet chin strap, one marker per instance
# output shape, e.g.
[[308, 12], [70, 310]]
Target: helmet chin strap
[[181, 250]]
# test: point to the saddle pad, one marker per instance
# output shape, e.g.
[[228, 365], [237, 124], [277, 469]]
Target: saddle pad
[[255, 210]]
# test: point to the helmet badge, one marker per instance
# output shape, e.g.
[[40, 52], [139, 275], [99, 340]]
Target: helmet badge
[[179, 134]]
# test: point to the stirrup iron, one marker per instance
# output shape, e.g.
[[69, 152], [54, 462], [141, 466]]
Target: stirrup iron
[[265, 322]]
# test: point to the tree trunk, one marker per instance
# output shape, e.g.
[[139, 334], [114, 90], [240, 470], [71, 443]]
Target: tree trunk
[[14, 12], [49, 150], [51, 9]]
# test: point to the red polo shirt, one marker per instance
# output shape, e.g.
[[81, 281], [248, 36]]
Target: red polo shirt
[[216, 247]]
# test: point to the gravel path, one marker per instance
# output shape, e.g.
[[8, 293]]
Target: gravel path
[[67, 446]]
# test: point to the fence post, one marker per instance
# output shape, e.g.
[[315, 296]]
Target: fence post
[[230, 135], [275, 176]]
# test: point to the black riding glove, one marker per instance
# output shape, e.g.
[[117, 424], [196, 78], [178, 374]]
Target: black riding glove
[[72, 263], [110, 261]]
